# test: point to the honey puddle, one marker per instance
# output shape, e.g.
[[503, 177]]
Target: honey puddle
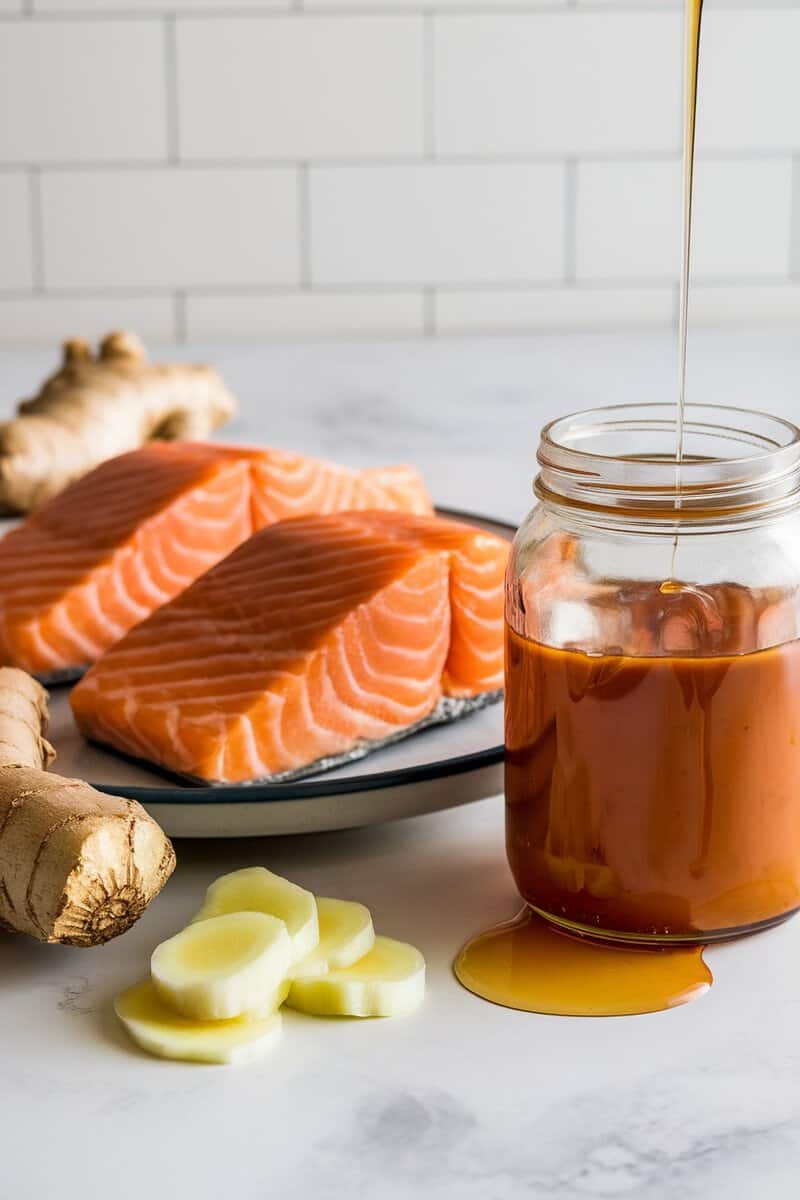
[[526, 964]]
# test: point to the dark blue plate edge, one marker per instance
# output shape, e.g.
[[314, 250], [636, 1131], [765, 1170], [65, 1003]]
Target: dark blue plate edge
[[261, 793]]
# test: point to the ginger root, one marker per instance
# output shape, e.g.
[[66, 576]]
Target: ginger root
[[76, 866], [95, 408], [23, 722]]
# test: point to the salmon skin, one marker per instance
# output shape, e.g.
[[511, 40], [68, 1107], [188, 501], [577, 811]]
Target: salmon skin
[[448, 710], [123, 540], [317, 640]]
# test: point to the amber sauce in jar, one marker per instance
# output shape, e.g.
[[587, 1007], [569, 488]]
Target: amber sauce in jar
[[652, 801], [654, 796]]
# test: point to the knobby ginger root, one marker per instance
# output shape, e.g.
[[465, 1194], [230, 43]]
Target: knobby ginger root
[[23, 721], [76, 866], [96, 407]]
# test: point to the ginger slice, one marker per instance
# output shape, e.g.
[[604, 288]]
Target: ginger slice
[[76, 866], [389, 981], [216, 986], [345, 935], [223, 967], [255, 889], [159, 1030], [95, 408]]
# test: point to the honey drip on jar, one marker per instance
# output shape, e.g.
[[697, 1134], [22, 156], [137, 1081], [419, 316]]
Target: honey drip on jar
[[526, 963]]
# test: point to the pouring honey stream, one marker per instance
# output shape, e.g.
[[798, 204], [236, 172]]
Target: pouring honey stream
[[634, 835]]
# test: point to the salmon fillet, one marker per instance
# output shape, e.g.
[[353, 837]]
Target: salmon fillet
[[318, 635], [131, 535], [290, 485]]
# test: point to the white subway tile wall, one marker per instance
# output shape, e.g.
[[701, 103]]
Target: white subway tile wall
[[559, 83], [506, 311], [437, 223], [217, 169], [741, 223], [306, 315], [16, 242], [76, 91], [155, 227], [48, 319], [287, 87]]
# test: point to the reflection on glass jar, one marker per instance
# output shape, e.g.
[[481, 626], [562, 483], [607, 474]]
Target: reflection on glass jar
[[653, 676]]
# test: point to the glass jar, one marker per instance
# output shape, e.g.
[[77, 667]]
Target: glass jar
[[653, 676]]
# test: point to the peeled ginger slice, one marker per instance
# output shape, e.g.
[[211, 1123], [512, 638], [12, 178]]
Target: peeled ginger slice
[[255, 889], [223, 967], [389, 981], [271, 1003], [159, 1030], [345, 936]]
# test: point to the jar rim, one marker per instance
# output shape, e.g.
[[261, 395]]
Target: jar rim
[[623, 456]]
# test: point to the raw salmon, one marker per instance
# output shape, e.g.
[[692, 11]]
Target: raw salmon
[[290, 485], [317, 636], [121, 541]]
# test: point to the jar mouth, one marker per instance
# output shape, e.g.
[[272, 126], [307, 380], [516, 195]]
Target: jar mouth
[[624, 457]]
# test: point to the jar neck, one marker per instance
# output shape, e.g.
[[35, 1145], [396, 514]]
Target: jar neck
[[737, 464]]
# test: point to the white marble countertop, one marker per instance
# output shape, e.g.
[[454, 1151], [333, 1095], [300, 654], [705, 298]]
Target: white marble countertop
[[464, 1099]]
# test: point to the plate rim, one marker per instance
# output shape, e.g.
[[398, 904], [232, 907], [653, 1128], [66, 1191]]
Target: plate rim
[[311, 789], [269, 793]]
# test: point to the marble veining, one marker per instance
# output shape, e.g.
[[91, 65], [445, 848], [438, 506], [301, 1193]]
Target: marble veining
[[76, 996]]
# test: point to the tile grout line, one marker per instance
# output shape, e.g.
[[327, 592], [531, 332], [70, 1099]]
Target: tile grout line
[[36, 228], [794, 221], [460, 287], [179, 316], [428, 85], [570, 220], [386, 7], [266, 162], [171, 87], [429, 312], [304, 225]]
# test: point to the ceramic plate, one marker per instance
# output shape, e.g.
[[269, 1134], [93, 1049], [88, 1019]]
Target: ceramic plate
[[437, 768]]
